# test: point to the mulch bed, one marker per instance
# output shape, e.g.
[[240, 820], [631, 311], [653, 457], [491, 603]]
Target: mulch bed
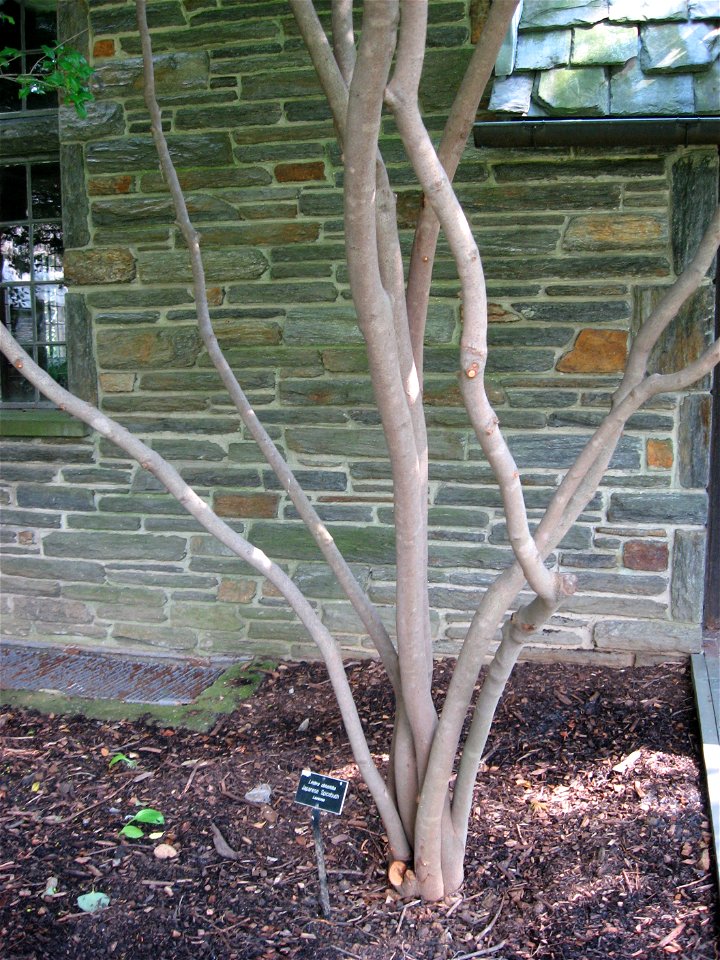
[[590, 836]]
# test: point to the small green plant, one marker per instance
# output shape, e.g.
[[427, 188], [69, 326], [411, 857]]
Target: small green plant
[[147, 817], [60, 70], [121, 758]]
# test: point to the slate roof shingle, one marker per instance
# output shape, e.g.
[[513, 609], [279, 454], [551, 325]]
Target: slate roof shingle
[[611, 58]]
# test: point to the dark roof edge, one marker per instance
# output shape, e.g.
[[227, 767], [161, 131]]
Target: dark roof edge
[[598, 132]]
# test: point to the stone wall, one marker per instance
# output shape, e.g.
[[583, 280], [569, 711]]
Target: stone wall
[[577, 246]]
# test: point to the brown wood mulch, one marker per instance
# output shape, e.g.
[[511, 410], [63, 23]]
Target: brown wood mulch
[[590, 837]]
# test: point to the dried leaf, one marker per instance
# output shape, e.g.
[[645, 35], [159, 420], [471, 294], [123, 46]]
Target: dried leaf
[[221, 844], [165, 851]]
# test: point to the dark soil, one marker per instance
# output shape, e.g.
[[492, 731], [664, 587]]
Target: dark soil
[[590, 837]]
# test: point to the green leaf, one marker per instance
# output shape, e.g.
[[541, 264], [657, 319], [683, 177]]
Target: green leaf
[[92, 902], [148, 815], [121, 758], [131, 832]]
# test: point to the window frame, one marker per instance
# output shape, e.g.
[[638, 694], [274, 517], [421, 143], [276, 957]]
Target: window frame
[[33, 136]]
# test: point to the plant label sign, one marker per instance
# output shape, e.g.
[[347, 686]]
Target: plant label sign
[[321, 792]]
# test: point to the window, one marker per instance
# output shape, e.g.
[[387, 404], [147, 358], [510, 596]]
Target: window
[[33, 25], [32, 296], [34, 304]]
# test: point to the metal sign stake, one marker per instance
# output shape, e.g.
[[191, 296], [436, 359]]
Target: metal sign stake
[[321, 793], [320, 857]]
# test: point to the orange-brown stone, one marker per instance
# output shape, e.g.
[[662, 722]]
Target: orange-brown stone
[[596, 351], [659, 454], [246, 504], [645, 555], [109, 186], [299, 172], [236, 591], [103, 48], [614, 232]]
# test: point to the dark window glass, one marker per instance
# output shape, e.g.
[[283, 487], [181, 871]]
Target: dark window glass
[[34, 26], [32, 295]]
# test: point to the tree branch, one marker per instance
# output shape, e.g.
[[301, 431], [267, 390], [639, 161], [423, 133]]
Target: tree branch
[[457, 129], [358, 598]]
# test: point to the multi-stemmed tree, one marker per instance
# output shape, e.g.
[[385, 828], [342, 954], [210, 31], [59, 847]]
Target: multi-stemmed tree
[[426, 819]]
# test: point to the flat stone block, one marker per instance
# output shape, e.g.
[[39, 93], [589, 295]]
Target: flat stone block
[[114, 546], [542, 51], [545, 14], [707, 90], [104, 119], [621, 231], [604, 44], [596, 351], [512, 94], [659, 507], [86, 267], [677, 47], [633, 94], [694, 440], [139, 347], [640, 635], [688, 575], [645, 555], [576, 91], [640, 11]]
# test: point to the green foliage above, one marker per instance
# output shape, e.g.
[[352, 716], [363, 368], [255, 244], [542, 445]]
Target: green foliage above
[[60, 70]]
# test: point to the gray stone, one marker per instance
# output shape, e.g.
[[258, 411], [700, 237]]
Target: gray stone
[[577, 538], [694, 197], [315, 580], [35, 519], [92, 521], [363, 443], [32, 133], [114, 546], [633, 94], [643, 586], [593, 604], [604, 45], [108, 265], [72, 176], [55, 497], [45, 568], [641, 11], [174, 73], [138, 152], [576, 91], [545, 14], [542, 51], [147, 347], [561, 450], [281, 293], [637, 635], [707, 90], [688, 575], [167, 267], [104, 119], [661, 507], [512, 94], [703, 9], [52, 611], [36, 588], [230, 115], [206, 616], [576, 311], [676, 47], [169, 638], [693, 447]]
